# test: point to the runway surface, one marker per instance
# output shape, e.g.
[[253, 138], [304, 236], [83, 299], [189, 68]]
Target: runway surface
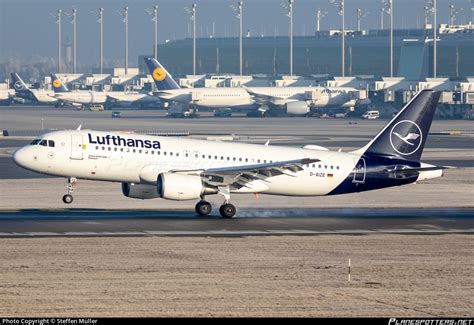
[[254, 222]]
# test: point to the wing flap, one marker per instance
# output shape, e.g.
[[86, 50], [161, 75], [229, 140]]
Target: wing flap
[[242, 176]]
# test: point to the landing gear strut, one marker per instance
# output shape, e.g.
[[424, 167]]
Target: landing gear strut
[[203, 208], [227, 210], [71, 185]]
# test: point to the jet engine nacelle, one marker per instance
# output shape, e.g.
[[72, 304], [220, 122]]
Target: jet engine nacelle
[[298, 108], [181, 187], [139, 191]]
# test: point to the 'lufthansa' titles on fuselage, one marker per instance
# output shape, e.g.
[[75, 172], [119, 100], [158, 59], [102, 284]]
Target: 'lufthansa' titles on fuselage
[[117, 140]]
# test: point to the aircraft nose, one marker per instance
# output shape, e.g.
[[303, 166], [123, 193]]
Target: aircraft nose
[[21, 157]]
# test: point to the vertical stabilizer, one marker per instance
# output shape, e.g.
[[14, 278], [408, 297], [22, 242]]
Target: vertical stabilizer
[[405, 135], [162, 78]]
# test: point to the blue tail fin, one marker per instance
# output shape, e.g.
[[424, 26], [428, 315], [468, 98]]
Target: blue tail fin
[[57, 85], [18, 83], [162, 78], [404, 137]]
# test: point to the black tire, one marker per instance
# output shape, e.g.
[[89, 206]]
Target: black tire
[[203, 208], [227, 210], [68, 199]]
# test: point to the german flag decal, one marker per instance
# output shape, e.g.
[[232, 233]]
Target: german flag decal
[[330, 175]]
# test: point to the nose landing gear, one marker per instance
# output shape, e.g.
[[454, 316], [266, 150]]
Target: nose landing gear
[[71, 185]]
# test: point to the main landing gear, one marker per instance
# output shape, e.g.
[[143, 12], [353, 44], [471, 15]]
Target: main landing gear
[[71, 185], [204, 208], [227, 210]]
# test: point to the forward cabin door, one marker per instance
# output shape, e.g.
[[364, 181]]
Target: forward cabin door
[[77, 146]]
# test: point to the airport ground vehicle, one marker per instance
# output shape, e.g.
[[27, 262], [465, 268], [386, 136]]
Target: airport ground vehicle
[[371, 115], [223, 112]]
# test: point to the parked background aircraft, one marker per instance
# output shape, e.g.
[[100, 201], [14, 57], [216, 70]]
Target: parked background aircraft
[[300, 100], [293, 100], [213, 98], [131, 98], [77, 97], [36, 95]]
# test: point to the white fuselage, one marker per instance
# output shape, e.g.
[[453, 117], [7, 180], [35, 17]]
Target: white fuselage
[[44, 96], [131, 96], [325, 97], [84, 97], [89, 155], [4, 94], [209, 97]]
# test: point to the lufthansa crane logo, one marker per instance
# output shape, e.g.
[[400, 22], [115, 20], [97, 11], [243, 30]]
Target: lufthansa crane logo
[[56, 83], [406, 137], [159, 74], [18, 85]]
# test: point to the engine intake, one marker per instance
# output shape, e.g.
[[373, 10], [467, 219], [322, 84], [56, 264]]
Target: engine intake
[[299, 108], [139, 191], [181, 187]]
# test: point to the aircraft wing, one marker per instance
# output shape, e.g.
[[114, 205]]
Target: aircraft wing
[[262, 98], [239, 176], [161, 93], [113, 97]]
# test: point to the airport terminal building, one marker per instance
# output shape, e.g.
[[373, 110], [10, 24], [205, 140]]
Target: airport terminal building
[[319, 55]]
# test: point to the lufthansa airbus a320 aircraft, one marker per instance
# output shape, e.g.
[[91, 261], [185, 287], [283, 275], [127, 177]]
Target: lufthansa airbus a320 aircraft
[[186, 169]]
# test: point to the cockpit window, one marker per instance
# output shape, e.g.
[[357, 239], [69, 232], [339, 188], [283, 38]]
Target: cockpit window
[[43, 143], [50, 143], [35, 141]]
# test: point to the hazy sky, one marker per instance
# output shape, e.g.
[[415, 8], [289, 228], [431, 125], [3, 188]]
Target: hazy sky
[[27, 27]]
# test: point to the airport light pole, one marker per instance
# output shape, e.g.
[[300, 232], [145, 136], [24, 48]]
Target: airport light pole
[[58, 22], [73, 17], [289, 14], [433, 10], [382, 13], [341, 12], [360, 14], [124, 16], [101, 31], [154, 12], [125, 13], [427, 15], [238, 9], [389, 10], [319, 15], [192, 11], [453, 13]]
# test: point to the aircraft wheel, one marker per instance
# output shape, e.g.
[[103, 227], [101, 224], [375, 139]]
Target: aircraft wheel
[[227, 210], [67, 199], [203, 208]]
